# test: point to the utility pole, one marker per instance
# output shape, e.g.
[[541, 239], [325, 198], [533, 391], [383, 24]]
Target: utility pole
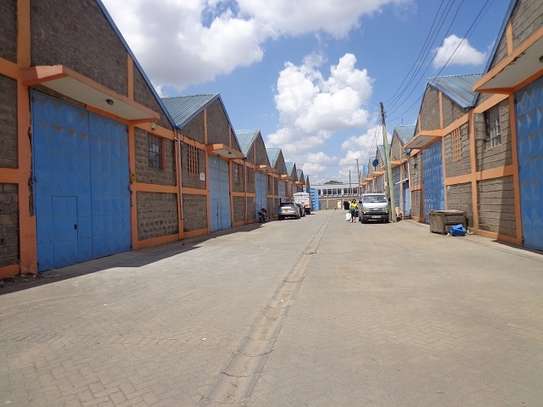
[[388, 167], [358, 171], [350, 186]]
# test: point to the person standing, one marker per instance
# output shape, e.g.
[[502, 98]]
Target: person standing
[[353, 207]]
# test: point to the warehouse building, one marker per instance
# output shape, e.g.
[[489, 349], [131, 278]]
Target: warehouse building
[[208, 145], [252, 197], [478, 144], [277, 161], [291, 178], [442, 117], [98, 174], [300, 182], [108, 166], [400, 171], [508, 160]]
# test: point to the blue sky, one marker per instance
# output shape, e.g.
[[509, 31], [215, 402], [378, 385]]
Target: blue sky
[[240, 49]]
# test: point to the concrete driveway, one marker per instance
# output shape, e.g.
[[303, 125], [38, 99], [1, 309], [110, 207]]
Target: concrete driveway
[[315, 312]]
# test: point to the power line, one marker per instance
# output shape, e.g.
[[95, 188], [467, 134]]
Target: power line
[[430, 36], [468, 32], [415, 85]]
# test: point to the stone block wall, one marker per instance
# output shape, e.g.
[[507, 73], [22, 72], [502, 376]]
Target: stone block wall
[[429, 113], [157, 214], [461, 166], [79, 37], [459, 198], [497, 156], [218, 128], [497, 205], [194, 212], [151, 175], [239, 209], [9, 225], [8, 123], [195, 129], [8, 30]]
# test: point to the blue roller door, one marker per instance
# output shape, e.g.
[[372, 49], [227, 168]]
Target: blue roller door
[[434, 195], [219, 189], [81, 183], [529, 110], [261, 184]]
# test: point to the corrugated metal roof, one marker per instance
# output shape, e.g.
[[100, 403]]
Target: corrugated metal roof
[[290, 166], [405, 132], [184, 108], [273, 155], [246, 139], [458, 88]]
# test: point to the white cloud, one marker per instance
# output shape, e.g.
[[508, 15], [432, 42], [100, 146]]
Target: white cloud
[[303, 16], [184, 42], [312, 108], [361, 147], [464, 55]]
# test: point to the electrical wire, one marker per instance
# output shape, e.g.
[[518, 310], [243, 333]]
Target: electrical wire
[[422, 55], [447, 63]]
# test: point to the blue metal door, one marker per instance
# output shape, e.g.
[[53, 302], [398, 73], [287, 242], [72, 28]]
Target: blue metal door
[[110, 195], [406, 199], [261, 181], [434, 194], [76, 173], [529, 112], [64, 223], [219, 194]]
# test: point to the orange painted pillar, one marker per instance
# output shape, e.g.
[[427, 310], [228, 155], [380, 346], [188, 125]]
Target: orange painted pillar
[[27, 220]]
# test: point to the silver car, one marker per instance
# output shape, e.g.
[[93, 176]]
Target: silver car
[[289, 210]]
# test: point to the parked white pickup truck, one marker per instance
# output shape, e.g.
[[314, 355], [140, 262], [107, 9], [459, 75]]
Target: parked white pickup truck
[[303, 199]]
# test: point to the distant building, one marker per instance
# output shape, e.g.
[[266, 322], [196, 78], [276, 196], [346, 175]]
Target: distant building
[[332, 192]]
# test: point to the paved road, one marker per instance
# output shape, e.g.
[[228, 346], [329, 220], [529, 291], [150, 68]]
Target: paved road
[[316, 312]]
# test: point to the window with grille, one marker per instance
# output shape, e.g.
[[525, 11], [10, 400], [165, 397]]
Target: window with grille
[[456, 145], [238, 174], [154, 151], [193, 160], [493, 128]]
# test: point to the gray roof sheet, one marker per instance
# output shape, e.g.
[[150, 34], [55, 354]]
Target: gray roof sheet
[[458, 88], [405, 132], [183, 108], [290, 166], [273, 155], [246, 139]]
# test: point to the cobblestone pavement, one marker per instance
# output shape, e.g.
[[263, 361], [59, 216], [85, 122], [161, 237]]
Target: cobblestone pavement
[[314, 312]]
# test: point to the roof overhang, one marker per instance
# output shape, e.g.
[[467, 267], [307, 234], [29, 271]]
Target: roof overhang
[[224, 151], [265, 168], [522, 66], [423, 139], [82, 89]]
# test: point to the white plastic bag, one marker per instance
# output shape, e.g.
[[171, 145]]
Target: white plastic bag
[[348, 216]]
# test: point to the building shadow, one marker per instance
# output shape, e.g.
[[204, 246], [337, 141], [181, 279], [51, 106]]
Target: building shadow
[[130, 259]]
